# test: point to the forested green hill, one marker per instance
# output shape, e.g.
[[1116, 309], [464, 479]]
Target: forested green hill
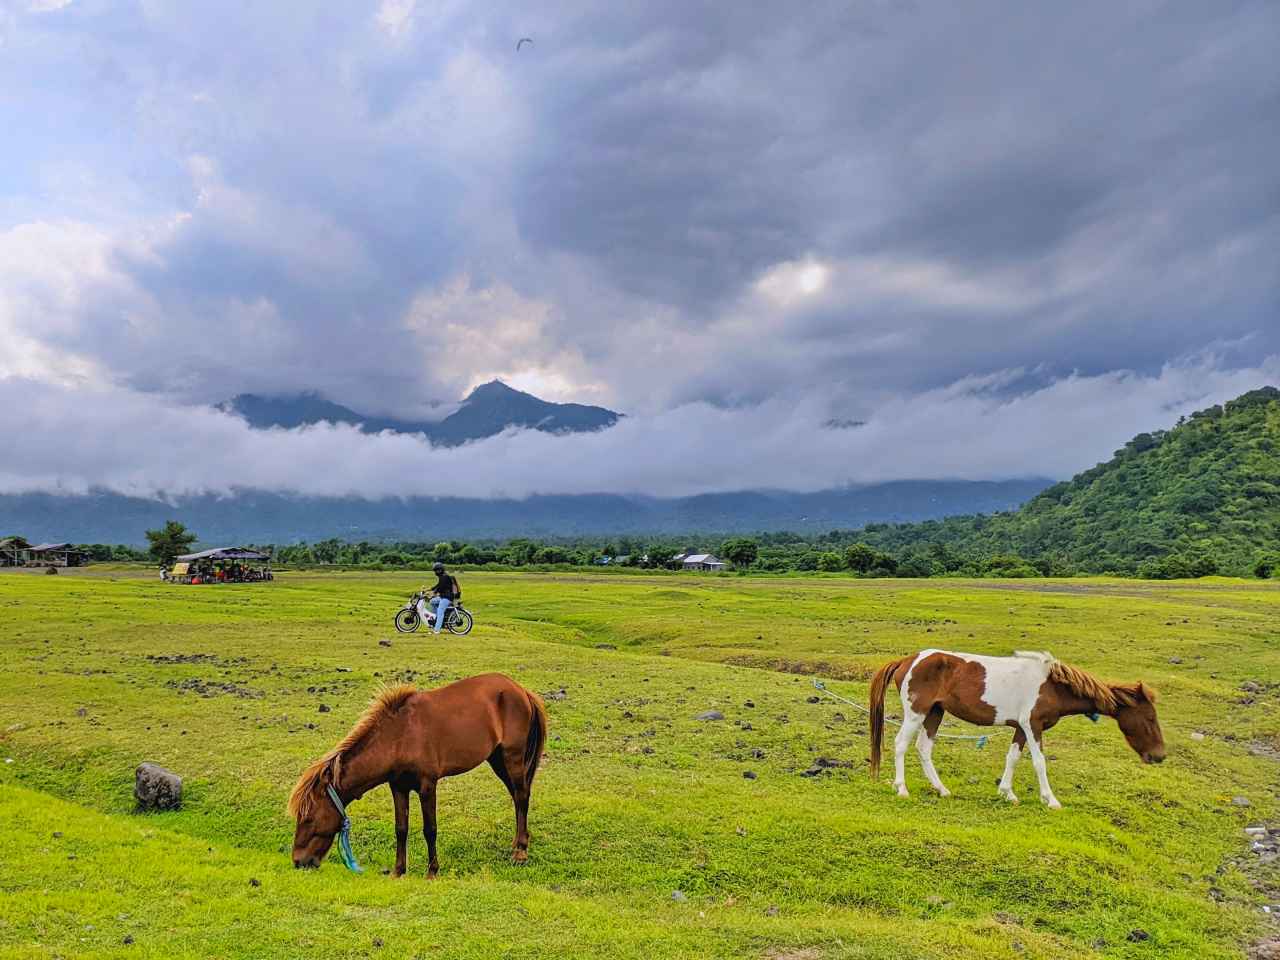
[[1202, 497]]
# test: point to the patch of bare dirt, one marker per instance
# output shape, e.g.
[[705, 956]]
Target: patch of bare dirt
[[805, 668], [792, 953]]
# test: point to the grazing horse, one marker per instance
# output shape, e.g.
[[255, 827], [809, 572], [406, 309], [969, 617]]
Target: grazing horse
[[411, 739], [1028, 691]]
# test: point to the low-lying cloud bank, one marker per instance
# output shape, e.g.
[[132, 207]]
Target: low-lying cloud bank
[[66, 440]]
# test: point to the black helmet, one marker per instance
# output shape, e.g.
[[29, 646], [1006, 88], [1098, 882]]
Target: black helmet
[[437, 567]]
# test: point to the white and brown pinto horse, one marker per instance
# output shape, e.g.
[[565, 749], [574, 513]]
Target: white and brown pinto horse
[[1028, 691]]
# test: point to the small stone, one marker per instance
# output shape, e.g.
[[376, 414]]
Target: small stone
[[81, 712], [748, 774], [156, 788], [324, 708], [710, 715], [1175, 659], [741, 831], [57, 834], [128, 939], [812, 700], [749, 704], [771, 911], [1197, 735], [678, 897], [384, 643], [342, 669], [255, 882], [377, 941], [1251, 686], [1138, 935], [605, 646], [1240, 801], [1249, 831], [747, 726]]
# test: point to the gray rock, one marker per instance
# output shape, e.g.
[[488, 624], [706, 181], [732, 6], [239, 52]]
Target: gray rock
[[1240, 801], [1197, 735], [710, 715], [678, 897], [748, 774], [384, 643], [156, 788]]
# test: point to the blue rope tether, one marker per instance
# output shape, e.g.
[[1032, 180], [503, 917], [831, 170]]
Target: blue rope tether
[[344, 838]]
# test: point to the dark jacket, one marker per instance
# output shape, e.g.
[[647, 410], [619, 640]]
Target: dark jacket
[[446, 586]]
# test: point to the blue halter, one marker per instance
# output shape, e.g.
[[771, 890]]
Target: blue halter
[[344, 838], [1093, 716]]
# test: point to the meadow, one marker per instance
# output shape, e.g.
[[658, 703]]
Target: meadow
[[654, 833]]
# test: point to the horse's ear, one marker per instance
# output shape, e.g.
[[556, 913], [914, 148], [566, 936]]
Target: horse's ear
[[1147, 693]]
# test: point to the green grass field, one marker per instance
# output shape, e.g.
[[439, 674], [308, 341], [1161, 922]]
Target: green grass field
[[636, 800]]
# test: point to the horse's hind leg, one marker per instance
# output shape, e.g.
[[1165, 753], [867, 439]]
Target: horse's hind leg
[[911, 722], [924, 746], [508, 764], [401, 799], [427, 795]]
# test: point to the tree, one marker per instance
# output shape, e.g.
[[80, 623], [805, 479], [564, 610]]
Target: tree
[[830, 562], [170, 541], [741, 552], [1266, 566], [860, 558]]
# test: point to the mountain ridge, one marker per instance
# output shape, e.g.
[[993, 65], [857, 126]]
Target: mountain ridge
[[486, 411], [259, 517]]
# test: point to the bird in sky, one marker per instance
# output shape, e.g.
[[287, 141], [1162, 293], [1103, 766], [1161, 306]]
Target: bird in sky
[[523, 40]]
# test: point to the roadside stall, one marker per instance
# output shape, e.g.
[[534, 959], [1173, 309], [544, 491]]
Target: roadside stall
[[222, 565]]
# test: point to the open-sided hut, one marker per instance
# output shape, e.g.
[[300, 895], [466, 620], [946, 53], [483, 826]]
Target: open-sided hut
[[222, 565], [56, 555], [14, 552]]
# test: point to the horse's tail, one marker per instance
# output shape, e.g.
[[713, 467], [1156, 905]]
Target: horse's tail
[[878, 685], [537, 736]]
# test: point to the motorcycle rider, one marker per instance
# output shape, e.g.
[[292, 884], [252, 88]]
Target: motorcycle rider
[[443, 594]]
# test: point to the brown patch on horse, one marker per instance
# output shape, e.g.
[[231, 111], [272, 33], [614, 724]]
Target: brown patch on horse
[[387, 702]]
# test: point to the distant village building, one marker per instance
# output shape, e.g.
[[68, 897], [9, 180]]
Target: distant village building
[[701, 561], [14, 552], [56, 555]]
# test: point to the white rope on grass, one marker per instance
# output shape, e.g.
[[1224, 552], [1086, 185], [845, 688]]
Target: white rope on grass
[[822, 688]]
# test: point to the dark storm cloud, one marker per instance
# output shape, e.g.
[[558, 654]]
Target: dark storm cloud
[[652, 204]]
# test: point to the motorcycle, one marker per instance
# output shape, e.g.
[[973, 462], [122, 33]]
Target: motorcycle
[[457, 619]]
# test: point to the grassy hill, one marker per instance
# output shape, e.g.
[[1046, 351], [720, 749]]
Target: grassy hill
[[1202, 497]]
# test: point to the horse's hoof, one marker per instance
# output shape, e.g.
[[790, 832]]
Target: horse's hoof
[[1053, 804], [902, 792], [944, 792]]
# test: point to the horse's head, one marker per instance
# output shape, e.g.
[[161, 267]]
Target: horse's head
[[318, 819], [1136, 715]]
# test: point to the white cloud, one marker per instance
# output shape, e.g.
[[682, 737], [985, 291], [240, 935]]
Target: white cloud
[[74, 440]]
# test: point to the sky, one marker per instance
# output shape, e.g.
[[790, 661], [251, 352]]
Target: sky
[[1006, 236]]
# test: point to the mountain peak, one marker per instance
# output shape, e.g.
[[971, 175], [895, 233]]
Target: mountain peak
[[493, 390]]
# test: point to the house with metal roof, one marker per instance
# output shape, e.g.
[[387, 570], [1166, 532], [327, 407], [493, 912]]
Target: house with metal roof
[[702, 561]]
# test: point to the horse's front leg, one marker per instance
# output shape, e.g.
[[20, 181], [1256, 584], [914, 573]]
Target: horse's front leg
[[427, 794], [401, 798], [1011, 761], [1042, 772]]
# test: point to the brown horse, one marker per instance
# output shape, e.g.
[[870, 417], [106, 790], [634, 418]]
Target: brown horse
[[411, 739], [1028, 691]]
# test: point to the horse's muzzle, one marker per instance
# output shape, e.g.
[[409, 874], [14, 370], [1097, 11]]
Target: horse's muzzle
[[310, 863], [1153, 758]]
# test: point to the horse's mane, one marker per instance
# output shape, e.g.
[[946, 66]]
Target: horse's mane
[[1107, 696], [384, 704]]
